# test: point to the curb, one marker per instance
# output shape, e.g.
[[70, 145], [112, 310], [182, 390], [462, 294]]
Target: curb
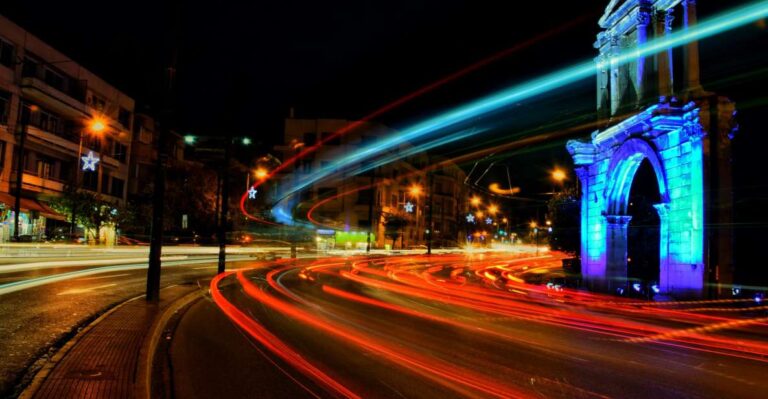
[[41, 375], [145, 367]]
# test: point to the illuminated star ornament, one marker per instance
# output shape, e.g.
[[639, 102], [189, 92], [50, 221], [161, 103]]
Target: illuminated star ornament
[[408, 207], [471, 218], [488, 220], [89, 162], [252, 193]]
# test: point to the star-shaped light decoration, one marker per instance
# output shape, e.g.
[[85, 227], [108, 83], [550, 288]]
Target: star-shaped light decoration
[[471, 218], [488, 220], [252, 193], [89, 162], [408, 207]]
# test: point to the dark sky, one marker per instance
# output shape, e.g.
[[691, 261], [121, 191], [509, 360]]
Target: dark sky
[[247, 63]]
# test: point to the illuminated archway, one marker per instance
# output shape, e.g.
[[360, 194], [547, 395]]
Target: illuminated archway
[[670, 139]]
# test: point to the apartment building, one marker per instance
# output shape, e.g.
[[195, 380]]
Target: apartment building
[[344, 221], [71, 127]]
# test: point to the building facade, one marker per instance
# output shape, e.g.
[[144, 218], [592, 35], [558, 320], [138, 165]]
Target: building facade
[[660, 120], [345, 207], [65, 127]]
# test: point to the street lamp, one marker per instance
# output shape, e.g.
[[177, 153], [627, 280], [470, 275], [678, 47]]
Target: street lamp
[[535, 228], [559, 175], [475, 201], [415, 190], [493, 209], [261, 173], [96, 126]]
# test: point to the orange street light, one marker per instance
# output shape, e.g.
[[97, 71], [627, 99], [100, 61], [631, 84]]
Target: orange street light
[[415, 190], [261, 173], [533, 225], [97, 125], [559, 175], [475, 201], [505, 220], [479, 214], [493, 209]]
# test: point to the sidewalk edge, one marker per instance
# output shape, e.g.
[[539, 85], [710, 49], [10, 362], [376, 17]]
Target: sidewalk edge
[[49, 365], [144, 371]]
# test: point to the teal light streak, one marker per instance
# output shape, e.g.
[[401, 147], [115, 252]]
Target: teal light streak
[[713, 26]]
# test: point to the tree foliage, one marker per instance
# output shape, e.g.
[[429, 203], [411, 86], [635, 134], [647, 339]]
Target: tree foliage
[[393, 227], [564, 210]]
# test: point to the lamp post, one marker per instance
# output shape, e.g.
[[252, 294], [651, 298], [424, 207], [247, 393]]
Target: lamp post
[[535, 228], [20, 167], [96, 126]]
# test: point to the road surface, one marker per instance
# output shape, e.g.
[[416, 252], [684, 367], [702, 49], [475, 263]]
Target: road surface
[[464, 326]]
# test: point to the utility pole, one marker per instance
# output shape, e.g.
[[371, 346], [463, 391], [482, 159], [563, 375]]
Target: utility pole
[[19, 172], [430, 179], [158, 196], [370, 210], [223, 219]]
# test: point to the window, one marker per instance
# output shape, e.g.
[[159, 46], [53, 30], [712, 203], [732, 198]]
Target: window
[[334, 141], [5, 106], [6, 53], [97, 102], [105, 182], [49, 122], [145, 136], [117, 187], [90, 180], [54, 79], [310, 139], [124, 117], [29, 67], [120, 152], [44, 168]]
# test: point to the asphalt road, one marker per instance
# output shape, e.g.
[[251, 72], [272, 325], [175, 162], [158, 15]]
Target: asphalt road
[[48, 291], [457, 326]]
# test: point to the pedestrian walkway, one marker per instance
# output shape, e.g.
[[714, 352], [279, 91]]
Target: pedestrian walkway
[[104, 361]]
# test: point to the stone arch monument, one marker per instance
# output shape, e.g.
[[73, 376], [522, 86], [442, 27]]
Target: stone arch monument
[[652, 111]]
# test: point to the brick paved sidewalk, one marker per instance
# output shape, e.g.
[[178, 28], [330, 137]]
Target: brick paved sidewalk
[[104, 361]]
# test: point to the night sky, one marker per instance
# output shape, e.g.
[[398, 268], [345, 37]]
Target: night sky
[[242, 65]]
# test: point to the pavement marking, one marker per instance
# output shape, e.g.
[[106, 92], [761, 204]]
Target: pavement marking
[[100, 277], [38, 281], [76, 291]]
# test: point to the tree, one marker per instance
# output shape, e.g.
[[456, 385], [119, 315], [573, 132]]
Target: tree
[[564, 210], [393, 227], [90, 210]]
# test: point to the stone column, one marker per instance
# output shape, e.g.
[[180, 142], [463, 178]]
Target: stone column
[[616, 89], [691, 50], [616, 251], [663, 210], [664, 58], [643, 22]]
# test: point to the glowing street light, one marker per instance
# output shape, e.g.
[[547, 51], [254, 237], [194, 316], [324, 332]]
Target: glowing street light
[[97, 125], [246, 141], [559, 175], [475, 201], [493, 209], [190, 139], [261, 173], [415, 190], [533, 225]]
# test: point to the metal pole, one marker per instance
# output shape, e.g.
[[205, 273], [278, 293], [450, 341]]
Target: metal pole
[[430, 179], [19, 175], [73, 227], [224, 207], [370, 210]]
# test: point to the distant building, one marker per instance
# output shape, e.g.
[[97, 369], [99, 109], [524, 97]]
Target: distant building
[[52, 103], [344, 220]]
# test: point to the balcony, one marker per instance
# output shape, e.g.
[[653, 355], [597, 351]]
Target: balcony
[[67, 99]]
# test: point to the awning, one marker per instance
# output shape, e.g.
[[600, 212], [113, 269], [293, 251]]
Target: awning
[[31, 205]]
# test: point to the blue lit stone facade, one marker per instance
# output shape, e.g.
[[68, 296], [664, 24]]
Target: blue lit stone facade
[[684, 135]]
